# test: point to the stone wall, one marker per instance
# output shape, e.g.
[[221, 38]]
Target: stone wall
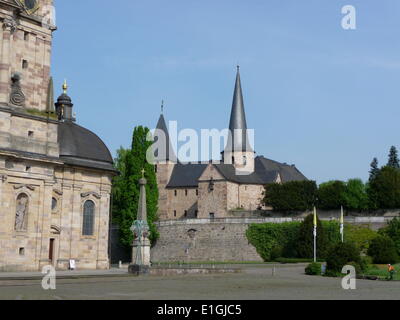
[[185, 200], [224, 240], [244, 196], [201, 240], [29, 40]]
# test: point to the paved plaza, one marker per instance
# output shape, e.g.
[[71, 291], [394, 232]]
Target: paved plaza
[[253, 282]]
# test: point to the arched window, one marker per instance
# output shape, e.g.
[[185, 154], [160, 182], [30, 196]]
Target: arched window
[[21, 214], [88, 218]]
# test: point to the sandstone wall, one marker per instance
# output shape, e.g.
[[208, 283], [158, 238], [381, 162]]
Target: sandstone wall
[[29, 249], [201, 240], [22, 40]]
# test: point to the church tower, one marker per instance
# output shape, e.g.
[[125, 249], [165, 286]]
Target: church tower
[[238, 150], [55, 176], [25, 53]]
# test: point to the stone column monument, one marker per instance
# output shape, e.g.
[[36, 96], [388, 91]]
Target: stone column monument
[[141, 243]]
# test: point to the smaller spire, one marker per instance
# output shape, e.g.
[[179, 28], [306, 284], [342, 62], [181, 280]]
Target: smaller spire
[[65, 86]]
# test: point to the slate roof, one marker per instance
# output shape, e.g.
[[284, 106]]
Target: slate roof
[[266, 171], [79, 146], [186, 175], [169, 150]]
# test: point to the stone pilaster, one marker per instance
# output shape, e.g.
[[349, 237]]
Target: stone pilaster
[[103, 231], [8, 28], [45, 208], [76, 230]]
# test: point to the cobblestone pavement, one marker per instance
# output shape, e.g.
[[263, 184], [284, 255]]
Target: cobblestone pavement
[[254, 282]]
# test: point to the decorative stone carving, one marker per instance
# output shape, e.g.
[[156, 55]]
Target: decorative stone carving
[[10, 24], [17, 97], [3, 178], [20, 186], [59, 192], [91, 193], [21, 212]]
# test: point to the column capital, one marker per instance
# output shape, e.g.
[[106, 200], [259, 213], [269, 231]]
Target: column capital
[[10, 24]]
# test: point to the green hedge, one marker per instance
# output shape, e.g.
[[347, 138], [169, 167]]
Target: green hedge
[[269, 236], [314, 269], [291, 196], [280, 240]]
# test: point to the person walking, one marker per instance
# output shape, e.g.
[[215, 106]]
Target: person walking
[[391, 272]]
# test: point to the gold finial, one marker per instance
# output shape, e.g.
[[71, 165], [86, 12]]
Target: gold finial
[[65, 86], [143, 171]]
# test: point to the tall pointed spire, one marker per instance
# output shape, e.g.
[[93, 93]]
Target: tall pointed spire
[[238, 141], [168, 153]]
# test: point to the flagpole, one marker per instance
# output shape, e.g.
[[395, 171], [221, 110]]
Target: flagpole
[[315, 234], [342, 224]]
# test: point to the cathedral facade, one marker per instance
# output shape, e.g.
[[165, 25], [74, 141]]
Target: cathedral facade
[[55, 176], [213, 190]]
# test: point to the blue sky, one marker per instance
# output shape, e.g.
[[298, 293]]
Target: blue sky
[[318, 96]]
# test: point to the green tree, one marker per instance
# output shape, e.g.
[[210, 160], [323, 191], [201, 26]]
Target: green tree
[[393, 158], [383, 250], [393, 232], [305, 241], [361, 236], [355, 195], [291, 196], [373, 172], [118, 183], [331, 195], [340, 255], [128, 198], [384, 190]]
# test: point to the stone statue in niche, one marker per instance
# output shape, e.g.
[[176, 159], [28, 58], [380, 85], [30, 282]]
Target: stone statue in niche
[[17, 97], [21, 213]]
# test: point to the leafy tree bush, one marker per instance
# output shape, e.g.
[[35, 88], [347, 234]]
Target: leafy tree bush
[[393, 232], [355, 195], [118, 183], [331, 231], [305, 241], [383, 250], [268, 236], [331, 195], [340, 255], [126, 187], [384, 190], [314, 269], [276, 252], [291, 196], [359, 235]]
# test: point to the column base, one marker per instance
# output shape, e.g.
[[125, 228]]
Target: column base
[[138, 270]]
